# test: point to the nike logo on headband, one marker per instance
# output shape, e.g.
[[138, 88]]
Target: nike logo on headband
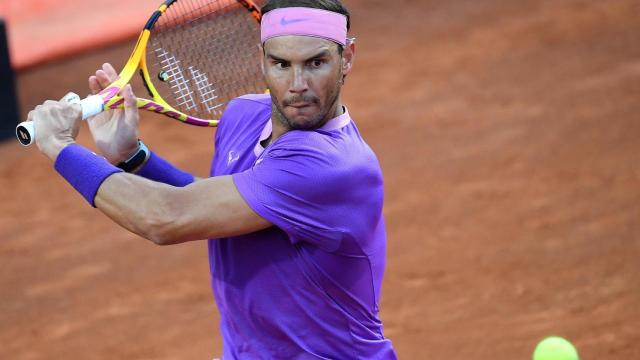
[[285, 22]]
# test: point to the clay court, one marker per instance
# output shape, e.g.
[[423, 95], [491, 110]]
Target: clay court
[[508, 133]]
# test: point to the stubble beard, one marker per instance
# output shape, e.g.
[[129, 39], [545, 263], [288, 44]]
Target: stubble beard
[[316, 122]]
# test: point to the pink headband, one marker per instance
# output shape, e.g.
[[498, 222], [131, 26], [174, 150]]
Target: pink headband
[[304, 22]]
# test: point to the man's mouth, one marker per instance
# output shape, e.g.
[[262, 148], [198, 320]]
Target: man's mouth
[[300, 104]]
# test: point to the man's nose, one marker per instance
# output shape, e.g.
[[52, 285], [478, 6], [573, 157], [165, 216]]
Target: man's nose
[[299, 81]]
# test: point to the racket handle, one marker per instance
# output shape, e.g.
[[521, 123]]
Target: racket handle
[[91, 105], [26, 133]]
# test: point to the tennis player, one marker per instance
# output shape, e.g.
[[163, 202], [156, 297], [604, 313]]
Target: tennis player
[[293, 207]]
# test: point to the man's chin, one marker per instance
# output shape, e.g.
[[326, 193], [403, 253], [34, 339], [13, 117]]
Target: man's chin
[[301, 111], [303, 118]]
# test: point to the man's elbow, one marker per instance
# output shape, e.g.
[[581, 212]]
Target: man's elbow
[[159, 239], [170, 232], [157, 232], [162, 227], [169, 221]]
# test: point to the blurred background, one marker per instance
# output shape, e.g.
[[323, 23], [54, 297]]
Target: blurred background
[[508, 135]]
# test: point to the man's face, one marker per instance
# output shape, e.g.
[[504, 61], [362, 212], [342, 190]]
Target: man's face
[[304, 75]]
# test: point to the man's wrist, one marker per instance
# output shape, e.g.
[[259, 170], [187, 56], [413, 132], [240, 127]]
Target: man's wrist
[[84, 170], [136, 159], [55, 147]]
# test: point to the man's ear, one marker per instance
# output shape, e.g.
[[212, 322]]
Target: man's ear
[[348, 56]]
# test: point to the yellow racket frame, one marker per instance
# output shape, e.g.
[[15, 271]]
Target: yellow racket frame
[[137, 63]]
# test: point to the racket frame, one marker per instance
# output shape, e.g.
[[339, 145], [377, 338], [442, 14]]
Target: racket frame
[[108, 98], [137, 63]]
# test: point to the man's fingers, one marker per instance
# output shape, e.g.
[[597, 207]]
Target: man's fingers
[[129, 98], [130, 108], [93, 85], [103, 79], [110, 71]]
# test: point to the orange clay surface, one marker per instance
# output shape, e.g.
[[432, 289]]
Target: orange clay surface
[[41, 30], [509, 136]]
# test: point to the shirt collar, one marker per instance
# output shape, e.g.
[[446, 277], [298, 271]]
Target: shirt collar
[[333, 124]]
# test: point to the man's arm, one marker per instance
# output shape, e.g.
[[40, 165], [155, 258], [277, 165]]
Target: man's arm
[[209, 208], [162, 213]]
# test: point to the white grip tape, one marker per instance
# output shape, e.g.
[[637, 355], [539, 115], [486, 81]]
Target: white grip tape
[[91, 105]]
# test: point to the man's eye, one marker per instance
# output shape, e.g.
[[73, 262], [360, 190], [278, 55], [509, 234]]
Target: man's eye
[[317, 63], [281, 65]]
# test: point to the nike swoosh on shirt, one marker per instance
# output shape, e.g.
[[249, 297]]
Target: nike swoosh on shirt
[[285, 22]]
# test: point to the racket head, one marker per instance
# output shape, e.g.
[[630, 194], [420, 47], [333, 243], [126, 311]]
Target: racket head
[[199, 56]]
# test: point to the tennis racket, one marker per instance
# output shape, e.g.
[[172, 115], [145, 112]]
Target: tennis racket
[[193, 57]]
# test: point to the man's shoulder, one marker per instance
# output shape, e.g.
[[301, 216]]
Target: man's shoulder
[[247, 105], [343, 143], [254, 100], [244, 110], [340, 151]]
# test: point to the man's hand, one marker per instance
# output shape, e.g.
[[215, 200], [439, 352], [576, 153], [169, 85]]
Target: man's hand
[[56, 124], [115, 132]]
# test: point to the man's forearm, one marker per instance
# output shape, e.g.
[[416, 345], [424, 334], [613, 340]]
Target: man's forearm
[[164, 214], [139, 205]]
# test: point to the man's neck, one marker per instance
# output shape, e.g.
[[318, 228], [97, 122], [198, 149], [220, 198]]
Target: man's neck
[[279, 128]]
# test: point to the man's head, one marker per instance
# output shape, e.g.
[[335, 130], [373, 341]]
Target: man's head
[[306, 58]]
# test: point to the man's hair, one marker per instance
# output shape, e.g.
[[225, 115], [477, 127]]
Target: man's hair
[[330, 5]]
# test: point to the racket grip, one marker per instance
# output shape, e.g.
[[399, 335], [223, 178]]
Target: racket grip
[[91, 105]]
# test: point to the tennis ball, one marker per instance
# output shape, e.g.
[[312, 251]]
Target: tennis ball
[[555, 348]]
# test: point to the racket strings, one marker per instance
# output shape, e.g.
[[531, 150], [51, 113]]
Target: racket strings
[[202, 54]]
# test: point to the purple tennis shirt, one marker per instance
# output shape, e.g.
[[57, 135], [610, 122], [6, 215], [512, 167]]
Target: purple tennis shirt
[[308, 287]]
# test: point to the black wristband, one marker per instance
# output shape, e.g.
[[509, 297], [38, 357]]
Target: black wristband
[[136, 159]]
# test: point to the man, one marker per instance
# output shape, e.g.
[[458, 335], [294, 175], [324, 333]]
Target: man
[[293, 207]]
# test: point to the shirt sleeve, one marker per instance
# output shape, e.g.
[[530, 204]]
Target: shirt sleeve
[[303, 191]]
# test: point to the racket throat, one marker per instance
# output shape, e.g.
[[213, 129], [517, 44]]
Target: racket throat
[[146, 85]]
